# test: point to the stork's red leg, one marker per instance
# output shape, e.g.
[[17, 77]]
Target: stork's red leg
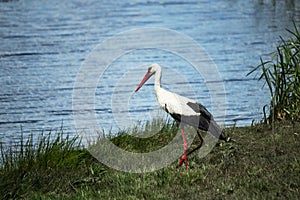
[[184, 157], [185, 147]]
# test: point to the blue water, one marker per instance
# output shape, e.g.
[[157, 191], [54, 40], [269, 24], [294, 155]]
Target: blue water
[[44, 43]]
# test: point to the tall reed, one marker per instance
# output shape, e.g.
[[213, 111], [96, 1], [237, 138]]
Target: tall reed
[[282, 76]]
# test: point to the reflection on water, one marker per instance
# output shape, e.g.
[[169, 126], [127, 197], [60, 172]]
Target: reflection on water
[[44, 43]]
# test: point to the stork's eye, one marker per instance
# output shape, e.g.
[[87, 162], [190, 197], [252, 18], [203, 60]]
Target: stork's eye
[[149, 69]]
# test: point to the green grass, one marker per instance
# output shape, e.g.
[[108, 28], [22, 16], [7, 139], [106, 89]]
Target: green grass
[[282, 76], [255, 164]]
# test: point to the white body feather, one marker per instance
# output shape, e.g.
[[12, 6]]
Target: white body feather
[[174, 103]]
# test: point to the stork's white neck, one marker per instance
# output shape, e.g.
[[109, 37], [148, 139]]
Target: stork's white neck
[[157, 78]]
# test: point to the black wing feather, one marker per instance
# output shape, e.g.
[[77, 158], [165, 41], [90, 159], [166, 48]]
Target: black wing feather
[[200, 121], [198, 108], [204, 120]]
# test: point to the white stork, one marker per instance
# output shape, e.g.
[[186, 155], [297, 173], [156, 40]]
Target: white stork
[[184, 111]]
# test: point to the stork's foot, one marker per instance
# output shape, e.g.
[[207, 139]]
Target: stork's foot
[[183, 159]]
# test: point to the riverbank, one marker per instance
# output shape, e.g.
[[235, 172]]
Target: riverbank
[[255, 164]]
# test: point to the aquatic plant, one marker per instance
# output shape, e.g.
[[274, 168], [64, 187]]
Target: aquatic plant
[[282, 76]]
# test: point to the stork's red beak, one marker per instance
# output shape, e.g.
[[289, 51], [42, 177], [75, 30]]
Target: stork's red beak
[[146, 77]]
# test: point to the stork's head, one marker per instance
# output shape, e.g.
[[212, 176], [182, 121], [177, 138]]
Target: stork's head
[[151, 70]]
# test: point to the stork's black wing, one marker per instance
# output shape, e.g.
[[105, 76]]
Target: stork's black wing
[[198, 108], [202, 120]]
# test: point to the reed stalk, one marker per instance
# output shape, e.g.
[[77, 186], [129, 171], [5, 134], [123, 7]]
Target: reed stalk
[[282, 76]]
